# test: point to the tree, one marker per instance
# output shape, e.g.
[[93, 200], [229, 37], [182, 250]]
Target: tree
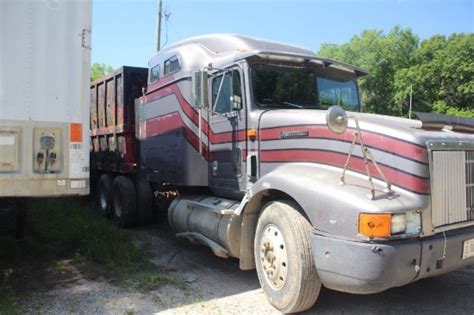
[[99, 70], [443, 78], [440, 71]]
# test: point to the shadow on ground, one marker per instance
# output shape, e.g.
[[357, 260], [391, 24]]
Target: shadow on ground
[[222, 280]]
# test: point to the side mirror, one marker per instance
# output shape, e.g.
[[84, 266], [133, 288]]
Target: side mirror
[[199, 90], [336, 119], [236, 102]]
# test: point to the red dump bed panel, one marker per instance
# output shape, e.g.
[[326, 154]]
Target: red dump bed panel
[[113, 144]]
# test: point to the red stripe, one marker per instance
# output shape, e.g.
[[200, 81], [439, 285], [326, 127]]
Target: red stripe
[[214, 138], [398, 178], [173, 122], [376, 141], [163, 124], [160, 83]]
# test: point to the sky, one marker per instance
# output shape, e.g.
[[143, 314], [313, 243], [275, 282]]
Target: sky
[[124, 31]]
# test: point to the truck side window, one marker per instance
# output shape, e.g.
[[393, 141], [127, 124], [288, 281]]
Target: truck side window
[[154, 73], [227, 97], [171, 65]]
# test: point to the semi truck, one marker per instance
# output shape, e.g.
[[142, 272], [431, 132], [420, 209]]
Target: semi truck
[[44, 103], [259, 150]]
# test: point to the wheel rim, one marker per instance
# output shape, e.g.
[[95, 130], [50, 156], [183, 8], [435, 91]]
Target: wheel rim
[[273, 257], [103, 198], [117, 204]]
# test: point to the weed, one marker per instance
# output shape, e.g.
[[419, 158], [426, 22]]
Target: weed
[[7, 302], [69, 229], [152, 279], [65, 229]]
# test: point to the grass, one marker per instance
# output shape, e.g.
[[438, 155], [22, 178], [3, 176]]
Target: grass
[[66, 228]]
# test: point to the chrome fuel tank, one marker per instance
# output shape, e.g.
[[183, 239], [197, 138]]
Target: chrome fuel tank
[[208, 220]]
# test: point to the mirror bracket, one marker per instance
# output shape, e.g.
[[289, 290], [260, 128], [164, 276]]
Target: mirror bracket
[[337, 121]]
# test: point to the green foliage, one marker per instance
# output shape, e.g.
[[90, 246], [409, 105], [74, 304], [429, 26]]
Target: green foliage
[[99, 70], [67, 228], [440, 70]]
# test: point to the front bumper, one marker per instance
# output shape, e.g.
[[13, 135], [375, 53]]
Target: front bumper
[[371, 267]]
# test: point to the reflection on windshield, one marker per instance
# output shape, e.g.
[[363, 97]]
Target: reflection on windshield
[[283, 87]]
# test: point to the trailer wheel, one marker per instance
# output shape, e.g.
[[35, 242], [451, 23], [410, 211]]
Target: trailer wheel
[[105, 195], [125, 202], [144, 202], [284, 258]]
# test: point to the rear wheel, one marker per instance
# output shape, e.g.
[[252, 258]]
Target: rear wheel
[[284, 258], [144, 202], [125, 201], [105, 195]]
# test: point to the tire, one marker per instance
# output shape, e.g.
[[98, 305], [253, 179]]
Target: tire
[[124, 202], [284, 259], [144, 203], [105, 195]]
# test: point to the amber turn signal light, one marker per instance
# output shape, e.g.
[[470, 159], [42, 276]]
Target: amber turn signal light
[[252, 134], [375, 225]]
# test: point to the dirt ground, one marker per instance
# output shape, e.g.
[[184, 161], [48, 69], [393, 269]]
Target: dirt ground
[[217, 286]]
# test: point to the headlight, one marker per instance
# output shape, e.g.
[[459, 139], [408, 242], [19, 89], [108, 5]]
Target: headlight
[[399, 223], [413, 219], [386, 224]]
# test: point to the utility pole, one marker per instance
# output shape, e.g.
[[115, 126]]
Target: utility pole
[[411, 98], [158, 27]]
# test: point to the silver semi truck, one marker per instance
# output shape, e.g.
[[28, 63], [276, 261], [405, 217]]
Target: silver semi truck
[[264, 155], [44, 101]]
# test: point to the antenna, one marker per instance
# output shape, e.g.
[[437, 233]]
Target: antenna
[[411, 99]]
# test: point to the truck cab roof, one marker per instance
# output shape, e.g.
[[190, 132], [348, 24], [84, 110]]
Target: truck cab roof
[[219, 49]]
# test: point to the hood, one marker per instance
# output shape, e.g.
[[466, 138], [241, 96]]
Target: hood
[[408, 130], [399, 145]]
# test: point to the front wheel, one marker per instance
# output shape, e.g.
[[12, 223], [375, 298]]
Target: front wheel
[[284, 258]]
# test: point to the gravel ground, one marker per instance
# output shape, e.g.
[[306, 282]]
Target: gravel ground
[[217, 286]]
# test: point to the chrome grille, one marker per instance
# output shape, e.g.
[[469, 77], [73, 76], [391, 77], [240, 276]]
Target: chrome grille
[[452, 187], [470, 183]]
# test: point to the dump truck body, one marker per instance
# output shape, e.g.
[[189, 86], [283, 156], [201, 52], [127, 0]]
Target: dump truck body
[[113, 144]]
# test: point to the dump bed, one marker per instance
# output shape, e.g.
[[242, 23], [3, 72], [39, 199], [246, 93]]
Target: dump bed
[[113, 147]]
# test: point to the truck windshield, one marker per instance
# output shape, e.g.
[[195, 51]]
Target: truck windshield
[[285, 87]]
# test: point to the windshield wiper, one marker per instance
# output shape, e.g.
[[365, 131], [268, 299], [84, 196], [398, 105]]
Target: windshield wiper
[[270, 103], [293, 105]]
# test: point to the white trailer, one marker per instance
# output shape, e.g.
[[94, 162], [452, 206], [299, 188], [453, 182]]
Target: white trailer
[[44, 98]]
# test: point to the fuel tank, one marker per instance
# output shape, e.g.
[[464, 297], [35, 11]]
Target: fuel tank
[[207, 220]]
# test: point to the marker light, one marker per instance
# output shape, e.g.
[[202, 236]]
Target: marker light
[[252, 134], [375, 225]]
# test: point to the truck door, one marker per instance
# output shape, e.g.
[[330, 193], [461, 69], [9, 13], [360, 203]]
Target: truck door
[[227, 140]]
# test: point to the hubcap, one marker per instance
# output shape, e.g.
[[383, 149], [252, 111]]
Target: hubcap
[[273, 257], [103, 198], [118, 204]]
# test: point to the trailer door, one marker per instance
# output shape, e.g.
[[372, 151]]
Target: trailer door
[[227, 140]]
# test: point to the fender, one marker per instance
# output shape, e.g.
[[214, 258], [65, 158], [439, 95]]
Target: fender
[[333, 209]]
